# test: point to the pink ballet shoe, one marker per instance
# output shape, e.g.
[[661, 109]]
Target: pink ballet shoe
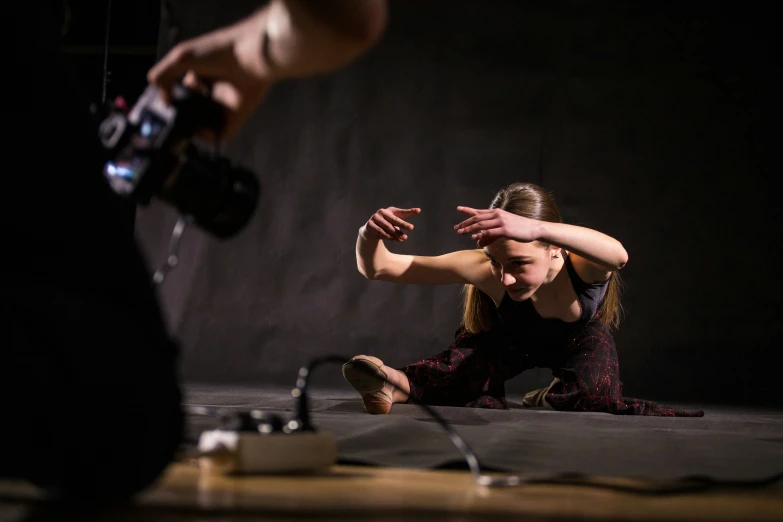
[[366, 375]]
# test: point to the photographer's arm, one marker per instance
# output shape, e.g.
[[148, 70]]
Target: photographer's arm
[[285, 39], [307, 37]]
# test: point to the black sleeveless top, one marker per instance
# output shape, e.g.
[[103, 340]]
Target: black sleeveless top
[[544, 340]]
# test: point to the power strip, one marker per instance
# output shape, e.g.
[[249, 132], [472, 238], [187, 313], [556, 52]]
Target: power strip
[[252, 452]]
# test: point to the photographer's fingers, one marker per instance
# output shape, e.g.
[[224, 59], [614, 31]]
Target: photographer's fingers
[[207, 56]]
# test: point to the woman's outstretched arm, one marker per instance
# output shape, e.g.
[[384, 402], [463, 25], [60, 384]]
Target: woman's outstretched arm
[[600, 254], [375, 261]]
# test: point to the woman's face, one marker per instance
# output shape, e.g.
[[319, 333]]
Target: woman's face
[[521, 267]]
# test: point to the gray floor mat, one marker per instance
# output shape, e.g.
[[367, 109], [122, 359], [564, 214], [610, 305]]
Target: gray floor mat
[[727, 443]]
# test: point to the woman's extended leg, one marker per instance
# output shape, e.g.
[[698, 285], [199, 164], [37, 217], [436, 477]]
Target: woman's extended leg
[[590, 380], [471, 372]]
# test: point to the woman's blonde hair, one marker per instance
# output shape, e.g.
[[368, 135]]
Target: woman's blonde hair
[[479, 313]]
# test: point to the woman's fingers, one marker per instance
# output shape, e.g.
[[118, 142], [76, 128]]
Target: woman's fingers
[[482, 226], [494, 231], [388, 227], [372, 225], [485, 239], [474, 211], [387, 223], [405, 212], [475, 223], [390, 216]]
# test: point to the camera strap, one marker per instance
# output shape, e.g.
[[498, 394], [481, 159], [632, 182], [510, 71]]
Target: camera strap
[[172, 259]]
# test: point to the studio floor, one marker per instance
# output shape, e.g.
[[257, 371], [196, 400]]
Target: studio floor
[[403, 466]]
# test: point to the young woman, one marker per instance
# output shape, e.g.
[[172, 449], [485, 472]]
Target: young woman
[[537, 293]]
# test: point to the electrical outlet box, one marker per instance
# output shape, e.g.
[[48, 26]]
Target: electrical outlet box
[[252, 452]]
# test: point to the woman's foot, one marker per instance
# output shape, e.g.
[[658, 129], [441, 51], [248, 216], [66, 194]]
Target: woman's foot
[[369, 376], [536, 398]]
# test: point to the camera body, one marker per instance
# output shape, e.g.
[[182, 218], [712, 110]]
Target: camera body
[[151, 154]]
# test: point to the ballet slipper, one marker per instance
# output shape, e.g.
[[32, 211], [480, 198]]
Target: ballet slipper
[[366, 375]]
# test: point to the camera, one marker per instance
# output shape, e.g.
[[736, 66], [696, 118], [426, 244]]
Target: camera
[[151, 153]]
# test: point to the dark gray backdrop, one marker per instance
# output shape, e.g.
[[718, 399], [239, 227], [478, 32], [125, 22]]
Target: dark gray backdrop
[[652, 124]]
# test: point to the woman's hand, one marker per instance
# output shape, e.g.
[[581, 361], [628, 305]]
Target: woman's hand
[[488, 225], [387, 223]]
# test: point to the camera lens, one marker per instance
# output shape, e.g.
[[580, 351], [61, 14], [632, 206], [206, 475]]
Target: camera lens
[[219, 196]]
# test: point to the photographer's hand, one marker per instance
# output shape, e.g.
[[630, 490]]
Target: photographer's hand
[[286, 39]]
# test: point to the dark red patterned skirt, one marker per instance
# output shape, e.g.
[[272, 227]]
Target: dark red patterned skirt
[[472, 373]]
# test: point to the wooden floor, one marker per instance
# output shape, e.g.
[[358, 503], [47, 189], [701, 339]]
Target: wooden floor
[[188, 493]]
